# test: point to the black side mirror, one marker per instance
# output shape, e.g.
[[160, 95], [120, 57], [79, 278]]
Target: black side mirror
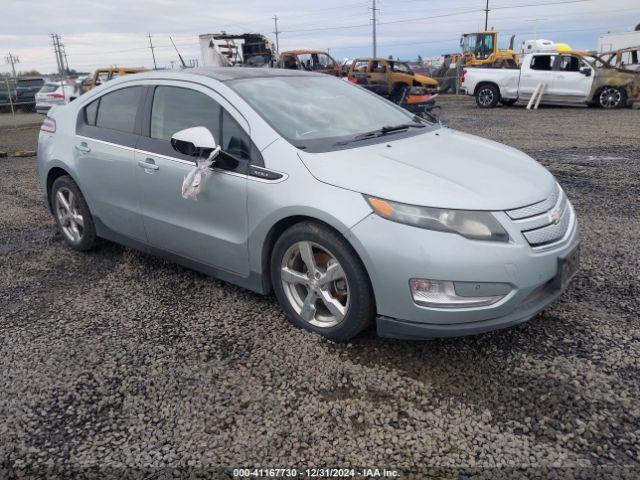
[[586, 71]]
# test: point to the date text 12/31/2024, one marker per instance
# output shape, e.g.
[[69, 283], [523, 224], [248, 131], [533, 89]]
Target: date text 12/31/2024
[[314, 473]]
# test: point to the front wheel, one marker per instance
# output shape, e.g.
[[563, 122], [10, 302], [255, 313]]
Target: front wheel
[[487, 96], [321, 283], [612, 97]]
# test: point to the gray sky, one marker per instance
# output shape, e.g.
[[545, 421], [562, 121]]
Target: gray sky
[[114, 32]]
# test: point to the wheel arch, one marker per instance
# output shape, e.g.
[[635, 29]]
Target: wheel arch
[[280, 227], [55, 172], [486, 83]]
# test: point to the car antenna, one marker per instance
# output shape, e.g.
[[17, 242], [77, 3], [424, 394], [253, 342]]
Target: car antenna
[[184, 65]]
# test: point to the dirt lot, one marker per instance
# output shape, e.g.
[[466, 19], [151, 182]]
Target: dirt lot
[[113, 359]]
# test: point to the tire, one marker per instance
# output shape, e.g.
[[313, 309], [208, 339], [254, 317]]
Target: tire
[[487, 96], [72, 216], [612, 97], [507, 102], [339, 277]]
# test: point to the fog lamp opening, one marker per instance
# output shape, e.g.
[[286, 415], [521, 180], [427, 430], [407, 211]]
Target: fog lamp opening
[[442, 294]]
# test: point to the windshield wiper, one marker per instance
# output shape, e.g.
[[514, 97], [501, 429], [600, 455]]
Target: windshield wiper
[[384, 131]]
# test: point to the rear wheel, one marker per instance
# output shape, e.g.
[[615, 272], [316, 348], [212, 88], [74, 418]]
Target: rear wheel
[[487, 96], [612, 97], [72, 214], [321, 283]]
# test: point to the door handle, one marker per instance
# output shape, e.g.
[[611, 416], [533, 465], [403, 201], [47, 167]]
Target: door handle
[[148, 164], [83, 147]]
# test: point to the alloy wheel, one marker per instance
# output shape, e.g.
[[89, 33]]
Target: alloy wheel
[[610, 97], [485, 96], [315, 284], [70, 219]]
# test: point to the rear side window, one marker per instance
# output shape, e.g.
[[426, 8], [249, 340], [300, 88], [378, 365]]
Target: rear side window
[[117, 110], [49, 87], [176, 108], [542, 62]]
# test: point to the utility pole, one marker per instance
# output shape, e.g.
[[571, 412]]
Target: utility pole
[[277, 32], [486, 17], [374, 10], [12, 60], [61, 55], [55, 50], [155, 67]]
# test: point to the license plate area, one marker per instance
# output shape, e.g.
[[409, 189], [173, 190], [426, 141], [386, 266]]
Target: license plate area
[[568, 266]]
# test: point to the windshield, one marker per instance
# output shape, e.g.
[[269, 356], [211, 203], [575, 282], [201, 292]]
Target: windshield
[[317, 111]]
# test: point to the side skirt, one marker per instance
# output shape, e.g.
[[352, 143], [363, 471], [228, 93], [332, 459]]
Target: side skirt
[[253, 282]]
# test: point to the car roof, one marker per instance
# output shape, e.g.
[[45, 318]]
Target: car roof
[[225, 74]]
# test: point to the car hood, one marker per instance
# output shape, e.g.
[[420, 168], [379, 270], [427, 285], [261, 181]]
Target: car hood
[[442, 168], [425, 80]]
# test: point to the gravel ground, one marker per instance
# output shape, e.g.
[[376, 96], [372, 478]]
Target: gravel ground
[[114, 361]]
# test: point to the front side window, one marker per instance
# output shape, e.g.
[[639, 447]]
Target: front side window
[[542, 62], [569, 63], [235, 140], [400, 67], [117, 110], [91, 112], [176, 108]]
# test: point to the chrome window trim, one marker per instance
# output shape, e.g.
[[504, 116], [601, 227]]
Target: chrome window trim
[[187, 162]]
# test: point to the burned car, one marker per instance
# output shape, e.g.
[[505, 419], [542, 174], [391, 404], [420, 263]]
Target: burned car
[[309, 60]]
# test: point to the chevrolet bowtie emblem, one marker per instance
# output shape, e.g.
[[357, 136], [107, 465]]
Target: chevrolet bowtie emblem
[[554, 217]]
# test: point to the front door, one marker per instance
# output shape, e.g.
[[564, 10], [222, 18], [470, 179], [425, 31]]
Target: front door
[[570, 83], [213, 229]]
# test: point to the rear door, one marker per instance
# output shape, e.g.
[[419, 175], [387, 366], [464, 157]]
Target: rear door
[[107, 131], [213, 229], [539, 70]]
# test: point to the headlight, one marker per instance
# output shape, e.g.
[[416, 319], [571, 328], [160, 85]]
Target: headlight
[[468, 223]]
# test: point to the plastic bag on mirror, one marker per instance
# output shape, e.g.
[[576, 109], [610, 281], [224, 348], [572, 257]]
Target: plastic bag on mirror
[[194, 180]]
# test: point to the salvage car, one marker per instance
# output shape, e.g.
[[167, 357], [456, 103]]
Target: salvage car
[[309, 60], [26, 90], [389, 78], [106, 74], [54, 94], [569, 79], [348, 207]]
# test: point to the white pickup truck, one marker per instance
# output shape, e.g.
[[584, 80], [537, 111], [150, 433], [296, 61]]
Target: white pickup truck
[[569, 78]]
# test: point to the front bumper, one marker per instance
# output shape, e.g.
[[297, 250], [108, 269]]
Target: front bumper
[[394, 253]]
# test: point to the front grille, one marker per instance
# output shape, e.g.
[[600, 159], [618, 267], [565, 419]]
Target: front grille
[[547, 222]]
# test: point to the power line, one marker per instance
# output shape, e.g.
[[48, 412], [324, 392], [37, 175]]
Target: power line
[[431, 17]]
